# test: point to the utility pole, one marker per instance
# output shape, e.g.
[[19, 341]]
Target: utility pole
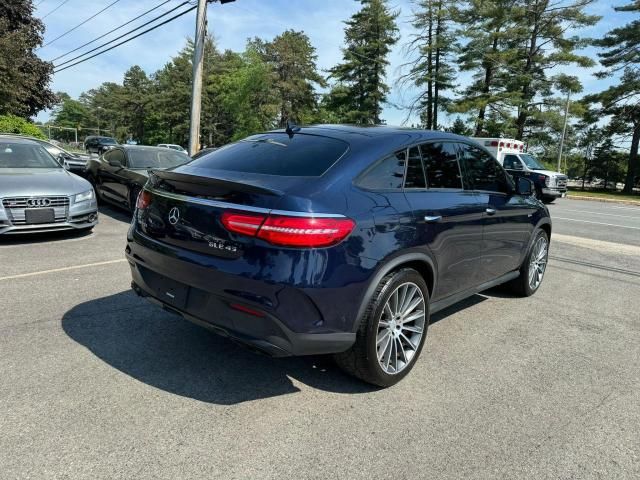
[[564, 130], [196, 90]]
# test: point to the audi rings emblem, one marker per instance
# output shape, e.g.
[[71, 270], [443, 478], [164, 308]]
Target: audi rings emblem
[[39, 202], [174, 215]]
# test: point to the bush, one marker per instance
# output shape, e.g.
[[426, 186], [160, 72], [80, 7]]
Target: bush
[[13, 124]]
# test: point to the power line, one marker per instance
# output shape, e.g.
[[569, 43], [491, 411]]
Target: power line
[[80, 24], [121, 36], [39, 3], [127, 40], [42, 18], [111, 31]]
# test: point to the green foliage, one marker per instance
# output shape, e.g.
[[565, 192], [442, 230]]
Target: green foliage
[[24, 78], [460, 127], [70, 113], [292, 60], [13, 124], [430, 71], [622, 101], [369, 36]]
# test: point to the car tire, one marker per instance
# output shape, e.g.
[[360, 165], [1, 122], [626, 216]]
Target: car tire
[[524, 285], [548, 200], [382, 339]]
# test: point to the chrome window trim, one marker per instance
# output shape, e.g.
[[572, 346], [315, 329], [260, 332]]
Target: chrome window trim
[[235, 206]]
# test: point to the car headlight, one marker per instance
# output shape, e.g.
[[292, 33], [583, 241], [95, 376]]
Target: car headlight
[[84, 196]]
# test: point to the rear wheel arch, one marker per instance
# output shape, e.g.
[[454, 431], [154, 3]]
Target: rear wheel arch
[[417, 261]]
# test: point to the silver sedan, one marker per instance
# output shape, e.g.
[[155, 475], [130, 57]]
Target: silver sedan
[[37, 194]]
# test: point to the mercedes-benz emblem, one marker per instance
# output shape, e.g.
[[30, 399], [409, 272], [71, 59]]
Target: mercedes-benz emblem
[[38, 202], [174, 215]]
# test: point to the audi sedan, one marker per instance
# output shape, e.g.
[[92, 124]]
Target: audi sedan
[[335, 240], [37, 194]]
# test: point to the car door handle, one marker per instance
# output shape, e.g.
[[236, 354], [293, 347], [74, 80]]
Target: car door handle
[[433, 219], [491, 211]]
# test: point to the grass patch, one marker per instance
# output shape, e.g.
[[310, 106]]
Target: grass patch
[[603, 194]]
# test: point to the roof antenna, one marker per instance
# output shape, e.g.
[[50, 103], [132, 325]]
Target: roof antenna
[[292, 128]]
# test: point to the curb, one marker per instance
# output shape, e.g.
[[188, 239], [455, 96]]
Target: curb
[[606, 200]]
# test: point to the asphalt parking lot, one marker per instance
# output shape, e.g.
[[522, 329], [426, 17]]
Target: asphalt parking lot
[[96, 383]]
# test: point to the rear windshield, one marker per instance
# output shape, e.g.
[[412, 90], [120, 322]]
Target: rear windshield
[[108, 141], [156, 158], [277, 154]]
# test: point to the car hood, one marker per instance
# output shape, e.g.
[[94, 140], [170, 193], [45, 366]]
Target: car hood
[[23, 182], [549, 173]]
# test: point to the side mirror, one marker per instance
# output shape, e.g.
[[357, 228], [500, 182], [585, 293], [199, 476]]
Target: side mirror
[[517, 166], [524, 186]]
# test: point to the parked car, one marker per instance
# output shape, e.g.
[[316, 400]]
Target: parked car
[[335, 240], [512, 155], [76, 164], [172, 146], [98, 144], [203, 152], [37, 194], [121, 172]]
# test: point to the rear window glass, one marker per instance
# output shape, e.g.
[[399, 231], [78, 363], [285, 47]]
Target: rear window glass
[[277, 154]]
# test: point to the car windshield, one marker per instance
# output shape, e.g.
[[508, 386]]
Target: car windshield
[[108, 141], [156, 158], [24, 155], [531, 162], [176, 147]]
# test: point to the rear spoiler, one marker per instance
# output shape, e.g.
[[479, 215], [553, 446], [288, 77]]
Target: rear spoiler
[[207, 186]]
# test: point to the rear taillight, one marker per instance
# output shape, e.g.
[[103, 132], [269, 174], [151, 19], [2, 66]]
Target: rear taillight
[[144, 200], [242, 223], [290, 231]]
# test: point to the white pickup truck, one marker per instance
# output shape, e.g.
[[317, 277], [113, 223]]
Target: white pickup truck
[[512, 156]]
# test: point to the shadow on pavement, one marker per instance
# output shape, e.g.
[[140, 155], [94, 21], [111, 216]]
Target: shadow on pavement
[[169, 353], [458, 307], [44, 237], [116, 213]]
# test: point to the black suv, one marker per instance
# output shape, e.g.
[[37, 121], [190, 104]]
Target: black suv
[[96, 144]]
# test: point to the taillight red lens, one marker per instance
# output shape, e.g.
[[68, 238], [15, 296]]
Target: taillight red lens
[[305, 231], [144, 200], [290, 231], [242, 223]]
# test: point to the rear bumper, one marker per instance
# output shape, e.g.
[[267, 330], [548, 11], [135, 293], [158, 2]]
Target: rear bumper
[[207, 296]]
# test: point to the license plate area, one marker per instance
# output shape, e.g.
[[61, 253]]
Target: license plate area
[[167, 290], [35, 216]]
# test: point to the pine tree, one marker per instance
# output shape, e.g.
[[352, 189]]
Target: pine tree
[[24, 78], [369, 36], [486, 27], [430, 70], [543, 45], [293, 61], [622, 101]]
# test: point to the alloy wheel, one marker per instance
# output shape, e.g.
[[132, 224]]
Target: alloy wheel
[[538, 262], [400, 328]]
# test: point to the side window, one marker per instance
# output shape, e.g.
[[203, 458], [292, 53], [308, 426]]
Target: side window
[[512, 162], [415, 172], [116, 154], [482, 171], [387, 174], [441, 165]]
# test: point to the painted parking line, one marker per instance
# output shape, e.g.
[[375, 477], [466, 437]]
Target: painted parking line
[[594, 223], [63, 269], [636, 217]]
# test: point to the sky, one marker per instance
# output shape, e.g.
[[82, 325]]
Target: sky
[[231, 25]]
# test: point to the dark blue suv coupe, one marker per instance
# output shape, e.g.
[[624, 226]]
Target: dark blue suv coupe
[[335, 240]]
